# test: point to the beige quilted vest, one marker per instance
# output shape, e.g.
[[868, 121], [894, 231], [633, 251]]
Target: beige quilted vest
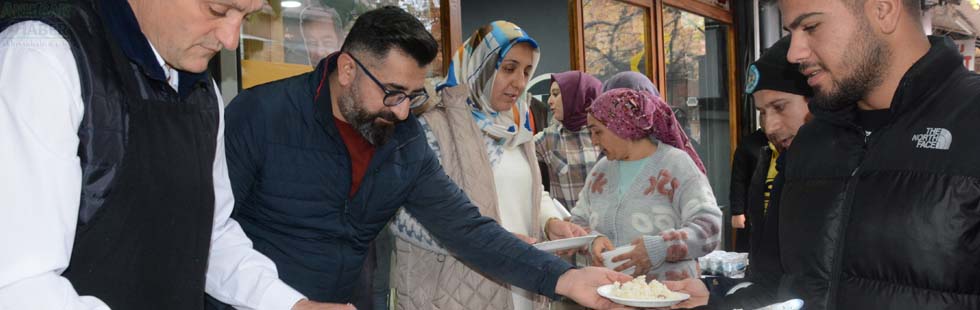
[[424, 280]]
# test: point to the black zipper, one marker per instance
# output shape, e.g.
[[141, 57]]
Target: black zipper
[[848, 202], [347, 218]]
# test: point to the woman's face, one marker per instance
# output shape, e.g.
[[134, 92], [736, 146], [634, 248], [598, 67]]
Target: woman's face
[[512, 77], [554, 101], [613, 146]]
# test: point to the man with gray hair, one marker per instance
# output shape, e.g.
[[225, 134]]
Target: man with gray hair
[[115, 191]]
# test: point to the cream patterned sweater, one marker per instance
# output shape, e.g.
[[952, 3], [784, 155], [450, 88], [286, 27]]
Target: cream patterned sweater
[[670, 205]]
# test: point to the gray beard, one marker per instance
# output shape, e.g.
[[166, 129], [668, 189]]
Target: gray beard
[[374, 132]]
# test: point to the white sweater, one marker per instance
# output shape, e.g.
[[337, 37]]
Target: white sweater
[[512, 178]]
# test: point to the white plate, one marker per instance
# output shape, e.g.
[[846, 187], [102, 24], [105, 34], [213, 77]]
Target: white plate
[[606, 291], [565, 244], [561, 209]]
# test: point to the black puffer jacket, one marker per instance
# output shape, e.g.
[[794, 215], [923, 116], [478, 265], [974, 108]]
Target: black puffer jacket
[[745, 166], [762, 254], [747, 191], [890, 220]]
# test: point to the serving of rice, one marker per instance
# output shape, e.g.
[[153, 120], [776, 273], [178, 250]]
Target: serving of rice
[[638, 288]]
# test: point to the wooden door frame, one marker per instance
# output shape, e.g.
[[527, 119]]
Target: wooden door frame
[[654, 58], [450, 20]]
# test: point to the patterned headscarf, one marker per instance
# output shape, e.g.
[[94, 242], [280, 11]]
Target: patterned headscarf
[[475, 64], [578, 91], [635, 115]]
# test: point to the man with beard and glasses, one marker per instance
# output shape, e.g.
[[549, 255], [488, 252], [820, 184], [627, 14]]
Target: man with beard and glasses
[[881, 207], [321, 162]]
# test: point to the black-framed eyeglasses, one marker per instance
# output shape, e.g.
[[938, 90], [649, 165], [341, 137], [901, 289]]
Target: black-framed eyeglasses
[[394, 97]]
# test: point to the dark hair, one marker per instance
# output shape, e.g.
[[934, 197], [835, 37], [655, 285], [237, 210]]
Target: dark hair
[[379, 30], [913, 7]]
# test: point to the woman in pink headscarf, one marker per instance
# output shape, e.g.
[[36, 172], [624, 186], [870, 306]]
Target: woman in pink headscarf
[[649, 192]]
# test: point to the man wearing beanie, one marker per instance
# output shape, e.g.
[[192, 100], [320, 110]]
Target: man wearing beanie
[[781, 94]]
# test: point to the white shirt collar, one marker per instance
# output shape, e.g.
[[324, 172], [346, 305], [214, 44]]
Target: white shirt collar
[[171, 73]]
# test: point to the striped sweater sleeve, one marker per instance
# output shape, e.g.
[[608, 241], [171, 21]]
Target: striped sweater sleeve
[[699, 232]]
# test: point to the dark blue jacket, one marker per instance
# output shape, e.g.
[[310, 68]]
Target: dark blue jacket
[[291, 174]]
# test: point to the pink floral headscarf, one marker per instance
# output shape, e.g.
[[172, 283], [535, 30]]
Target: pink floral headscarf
[[635, 115]]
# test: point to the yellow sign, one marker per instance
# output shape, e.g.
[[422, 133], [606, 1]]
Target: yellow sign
[[636, 60]]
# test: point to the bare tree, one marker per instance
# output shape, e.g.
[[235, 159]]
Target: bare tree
[[611, 31]]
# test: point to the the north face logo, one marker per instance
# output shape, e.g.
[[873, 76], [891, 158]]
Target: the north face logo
[[934, 138]]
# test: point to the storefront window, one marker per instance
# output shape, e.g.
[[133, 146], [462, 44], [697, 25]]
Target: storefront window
[[697, 89], [616, 35], [289, 37]]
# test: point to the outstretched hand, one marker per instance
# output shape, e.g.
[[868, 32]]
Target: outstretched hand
[[600, 245], [558, 229], [638, 258], [581, 286], [692, 286]]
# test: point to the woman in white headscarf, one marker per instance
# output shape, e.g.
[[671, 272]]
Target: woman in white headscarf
[[482, 132]]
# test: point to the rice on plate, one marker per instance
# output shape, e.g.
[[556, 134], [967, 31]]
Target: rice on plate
[[638, 288]]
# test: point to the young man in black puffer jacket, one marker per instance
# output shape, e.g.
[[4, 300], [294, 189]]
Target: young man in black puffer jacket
[[881, 203], [880, 207]]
